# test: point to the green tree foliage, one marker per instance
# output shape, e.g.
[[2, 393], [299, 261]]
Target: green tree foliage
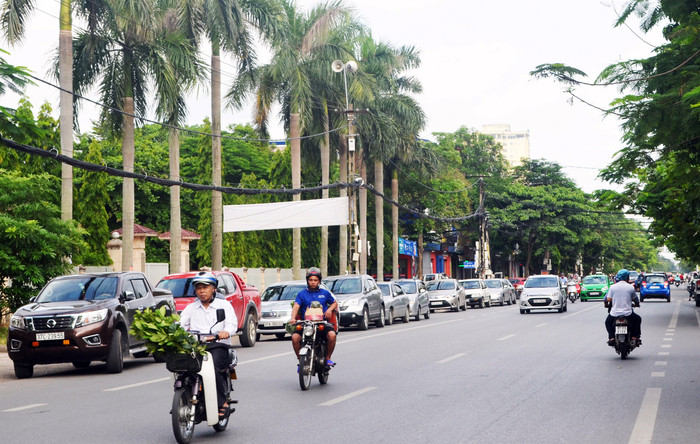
[[34, 242]]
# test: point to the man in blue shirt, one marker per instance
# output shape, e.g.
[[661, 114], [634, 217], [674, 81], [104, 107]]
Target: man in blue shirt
[[314, 292]]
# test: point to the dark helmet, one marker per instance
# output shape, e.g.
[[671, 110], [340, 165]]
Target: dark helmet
[[313, 271], [623, 275], [204, 277]]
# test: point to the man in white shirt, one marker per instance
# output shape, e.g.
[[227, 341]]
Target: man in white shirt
[[200, 316], [620, 298]]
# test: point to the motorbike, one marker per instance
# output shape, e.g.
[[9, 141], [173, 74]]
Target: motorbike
[[691, 291], [195, 397], [572, 292], [312, 356], [623, 339]]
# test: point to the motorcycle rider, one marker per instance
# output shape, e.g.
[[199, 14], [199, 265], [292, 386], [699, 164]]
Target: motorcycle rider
[[200, 315], [620, 299], [313, 292]]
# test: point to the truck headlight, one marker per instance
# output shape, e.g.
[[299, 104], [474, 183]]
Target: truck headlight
[[17, 322], [90, 317]]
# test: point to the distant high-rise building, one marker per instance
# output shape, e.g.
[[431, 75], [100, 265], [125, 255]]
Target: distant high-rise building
[[516, 144]]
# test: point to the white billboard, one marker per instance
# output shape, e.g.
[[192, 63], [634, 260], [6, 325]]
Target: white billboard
[[279, 215]]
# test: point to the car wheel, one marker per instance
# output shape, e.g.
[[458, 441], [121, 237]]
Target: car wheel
[[464, 306], [432, 310], [481, 303], [379, 323], [364, 322], [509, 301], [406, 316], [522, 312], [417, 318], [566, 307], [115, 356], [250, 331], [280, 335], [668, 299], [641, 299], [490, 303], [390, 318], [427, 314], [560, 309], [23, 371], [456, 307]]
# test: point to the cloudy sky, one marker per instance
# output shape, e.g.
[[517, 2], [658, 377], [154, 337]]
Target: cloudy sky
[[476, 58]]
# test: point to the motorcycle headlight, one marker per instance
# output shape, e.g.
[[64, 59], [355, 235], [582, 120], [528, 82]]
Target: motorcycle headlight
[[17, 322], [308, 330], [90, 317]]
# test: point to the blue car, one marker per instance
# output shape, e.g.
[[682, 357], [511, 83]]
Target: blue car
[[655, 286]]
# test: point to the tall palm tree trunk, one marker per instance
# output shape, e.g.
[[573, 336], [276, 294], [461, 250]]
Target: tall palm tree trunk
[[325, 177], [379, 216], [363, 216], [217, 210], [343, 234], [395, 222], [175, 221], [296, 183], [128, 186], [65, 74]]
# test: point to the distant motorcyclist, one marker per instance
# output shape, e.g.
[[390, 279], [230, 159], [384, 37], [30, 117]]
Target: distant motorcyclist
[[314, 292], [620, 299]]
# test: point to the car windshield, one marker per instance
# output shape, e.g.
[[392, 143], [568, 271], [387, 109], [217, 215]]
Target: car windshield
[[655, 279], [281, 292], [493, 283], [633, 275], [441, 285], [470, 285], [344, 286], [180, 288], [385, 289], [514, 281], [542, 282], [590, 280], [88, 288], [408, 286]]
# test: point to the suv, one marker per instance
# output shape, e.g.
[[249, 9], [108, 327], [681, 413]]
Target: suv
[[543, 292], [359, 299], [79, 319]]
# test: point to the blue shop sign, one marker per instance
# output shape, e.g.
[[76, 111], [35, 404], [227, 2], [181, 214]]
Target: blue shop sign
[[408, 247]]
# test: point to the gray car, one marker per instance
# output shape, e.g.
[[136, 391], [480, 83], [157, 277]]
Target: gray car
[[359, 299], [477, 293], [276, 302], [502, 292], [418, 297], [396, 302], [446, 293], [543, 292]]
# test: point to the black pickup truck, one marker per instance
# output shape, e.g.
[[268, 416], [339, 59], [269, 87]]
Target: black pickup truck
[[80, 319]]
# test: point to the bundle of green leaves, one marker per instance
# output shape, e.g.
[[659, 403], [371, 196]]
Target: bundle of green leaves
[[163, 333]]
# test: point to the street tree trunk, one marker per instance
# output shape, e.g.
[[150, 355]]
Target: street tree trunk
[[363, 214], [217, 210], [325, 177], [128, 186], [65, 74], [395, 222], [343, 234], [175, 221], [294, 133], [379, 217]]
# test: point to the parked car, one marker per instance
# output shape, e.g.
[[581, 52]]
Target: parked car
[[245, 299], [502, 292], [518, 283], [418, 297], [396, 302], [446, 293], [80, 319], [655, 286], [433, 276], [543, 292], [276, 311], [359, 299], [476, 293], [636, 279], [594, 286]]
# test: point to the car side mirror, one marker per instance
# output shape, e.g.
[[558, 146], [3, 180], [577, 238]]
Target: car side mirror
[[221, 290], [220, 315], [32, 299], [127, 296]]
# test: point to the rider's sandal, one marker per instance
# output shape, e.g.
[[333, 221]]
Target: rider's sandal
[[330, 363], [223, 410]]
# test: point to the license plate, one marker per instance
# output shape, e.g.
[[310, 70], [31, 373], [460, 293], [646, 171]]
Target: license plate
[[436, 303], [50, 336], [621, 330], [539, 301], [595, 293], [273, 324]]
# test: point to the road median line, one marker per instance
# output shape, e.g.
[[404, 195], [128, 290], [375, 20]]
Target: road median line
[[348, 396], [646, 419]]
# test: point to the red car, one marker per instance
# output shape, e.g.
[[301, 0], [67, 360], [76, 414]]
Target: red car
[[518, 283], [244, 299]]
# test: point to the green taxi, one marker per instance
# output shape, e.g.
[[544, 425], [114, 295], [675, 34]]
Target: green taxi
[[594, 286]]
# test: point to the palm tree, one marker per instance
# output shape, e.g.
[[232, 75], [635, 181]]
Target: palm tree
[[122, 49], [292, 79], [12, 20]]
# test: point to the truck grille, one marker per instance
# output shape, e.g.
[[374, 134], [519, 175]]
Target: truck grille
[[47, 323]]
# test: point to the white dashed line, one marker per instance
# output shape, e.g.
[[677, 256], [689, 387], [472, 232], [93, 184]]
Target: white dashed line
[[541, 325], [646, 419], [505, 337], [661, 363], [665, 345], [24, 407], [664, 353], [139, 384], [658, 374], [668, 339], [348, 396], [451, 358], [674, 318]]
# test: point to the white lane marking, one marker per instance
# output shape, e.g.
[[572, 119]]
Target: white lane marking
[[541, 325], [348, 396], [138, 384], [658, 374], [394, 331], [24, 407], [265, 358], [674, 318], [451, 358], [582, 311], [664, 353], [505, 337], [668, 339], [670, 334], [665, 345], [646, 419], [661, 363]]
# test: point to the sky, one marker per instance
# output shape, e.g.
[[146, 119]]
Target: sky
[[476, 58]]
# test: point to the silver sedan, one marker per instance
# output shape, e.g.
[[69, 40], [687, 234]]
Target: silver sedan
[[418, 296], [446, 293], [396, 302]]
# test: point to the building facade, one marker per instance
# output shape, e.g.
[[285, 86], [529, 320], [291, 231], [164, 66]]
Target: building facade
[[516, 144]]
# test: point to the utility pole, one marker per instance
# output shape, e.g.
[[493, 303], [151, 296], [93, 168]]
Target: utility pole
[[482, 231], [352, 193]]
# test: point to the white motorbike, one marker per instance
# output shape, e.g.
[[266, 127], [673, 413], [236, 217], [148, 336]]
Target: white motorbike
[[572, 292]]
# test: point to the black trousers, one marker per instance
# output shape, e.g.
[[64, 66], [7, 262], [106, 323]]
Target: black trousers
[[219, 352], [635, 322]]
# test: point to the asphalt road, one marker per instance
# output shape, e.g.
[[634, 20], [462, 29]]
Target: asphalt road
[[481, 376]]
